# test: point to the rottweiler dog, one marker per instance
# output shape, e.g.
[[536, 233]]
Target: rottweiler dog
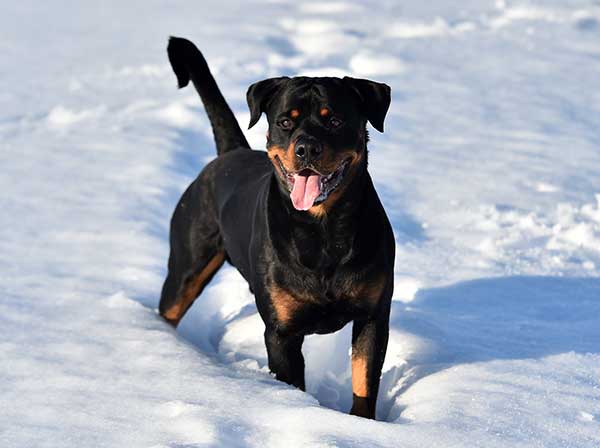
[[301, 222]]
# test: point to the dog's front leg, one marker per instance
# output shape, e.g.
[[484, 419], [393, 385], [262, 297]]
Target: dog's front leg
[[284, 351], [369, 344]]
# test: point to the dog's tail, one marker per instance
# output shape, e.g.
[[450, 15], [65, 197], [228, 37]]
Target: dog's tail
[[188, 63]]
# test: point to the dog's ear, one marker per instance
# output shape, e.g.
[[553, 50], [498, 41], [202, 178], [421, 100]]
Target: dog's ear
[[373, 97], [260, 93]]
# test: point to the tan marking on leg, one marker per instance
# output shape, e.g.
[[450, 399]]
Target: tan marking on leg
[[192, 289], [360, 386], [284, 304]]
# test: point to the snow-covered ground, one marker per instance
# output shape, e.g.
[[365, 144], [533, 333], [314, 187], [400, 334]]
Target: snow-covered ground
[[489, 170]]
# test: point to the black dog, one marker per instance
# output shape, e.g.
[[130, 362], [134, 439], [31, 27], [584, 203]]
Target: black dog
[[301, 222]]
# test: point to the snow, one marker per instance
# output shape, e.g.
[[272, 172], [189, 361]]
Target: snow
[[489, 171]]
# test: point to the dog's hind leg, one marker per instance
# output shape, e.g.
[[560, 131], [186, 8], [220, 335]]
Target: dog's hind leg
[[182, 288], [196, 255]]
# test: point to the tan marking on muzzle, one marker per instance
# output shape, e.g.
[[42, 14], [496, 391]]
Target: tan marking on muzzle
[[285, 155], [322, 209]]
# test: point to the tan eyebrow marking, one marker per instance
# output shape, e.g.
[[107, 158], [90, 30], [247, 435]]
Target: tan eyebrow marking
[[294, 113], [324, 112]]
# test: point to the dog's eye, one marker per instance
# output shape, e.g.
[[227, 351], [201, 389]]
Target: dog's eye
[[286, 124], [335, 122]]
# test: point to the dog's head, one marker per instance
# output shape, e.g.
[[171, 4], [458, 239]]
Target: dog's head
[[317, 132]]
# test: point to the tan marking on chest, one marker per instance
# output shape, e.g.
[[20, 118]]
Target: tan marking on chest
[[284, 304], [368, 291]]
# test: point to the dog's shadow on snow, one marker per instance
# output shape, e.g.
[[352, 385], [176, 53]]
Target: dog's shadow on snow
[[488, 319]]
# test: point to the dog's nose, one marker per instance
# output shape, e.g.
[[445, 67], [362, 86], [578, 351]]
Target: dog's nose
[[308, 149]]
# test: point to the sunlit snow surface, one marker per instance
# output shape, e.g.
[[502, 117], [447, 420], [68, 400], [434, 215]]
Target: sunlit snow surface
[[489, 170]]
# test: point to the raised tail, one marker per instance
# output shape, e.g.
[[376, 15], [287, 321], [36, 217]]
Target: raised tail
[[188, 63]]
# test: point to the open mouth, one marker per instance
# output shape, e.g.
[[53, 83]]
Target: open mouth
[[308, 187]]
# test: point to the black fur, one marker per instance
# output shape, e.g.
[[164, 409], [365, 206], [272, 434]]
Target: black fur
[[188, 63], [311, 271]]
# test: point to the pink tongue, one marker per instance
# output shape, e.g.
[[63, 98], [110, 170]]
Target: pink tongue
[[306, 190]]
